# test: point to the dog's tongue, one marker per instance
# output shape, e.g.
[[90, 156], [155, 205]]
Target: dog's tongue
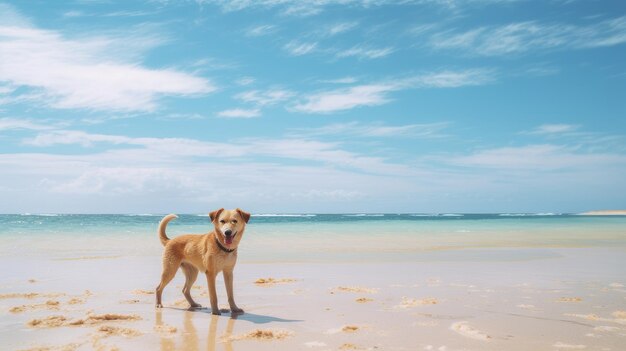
[[228, 240]]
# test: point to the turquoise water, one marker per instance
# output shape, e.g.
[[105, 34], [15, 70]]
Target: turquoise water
[[312, 237]]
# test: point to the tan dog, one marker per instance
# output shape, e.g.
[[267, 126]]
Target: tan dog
[[208, 253]]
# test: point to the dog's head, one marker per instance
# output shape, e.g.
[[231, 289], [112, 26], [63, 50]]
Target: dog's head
[[229, 225]]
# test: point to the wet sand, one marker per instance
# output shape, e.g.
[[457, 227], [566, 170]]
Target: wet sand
[[542, 299]]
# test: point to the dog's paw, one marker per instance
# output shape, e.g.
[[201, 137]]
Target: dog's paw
[[236, 310], [216, 312], [158, 305], [196, 305]]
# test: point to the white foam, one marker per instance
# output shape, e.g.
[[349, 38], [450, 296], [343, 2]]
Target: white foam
[[364, 215], [436, 215]]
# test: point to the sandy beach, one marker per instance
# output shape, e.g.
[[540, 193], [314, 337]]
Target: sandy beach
[[491, 298]]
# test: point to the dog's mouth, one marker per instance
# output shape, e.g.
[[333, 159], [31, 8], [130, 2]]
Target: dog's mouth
[[228, 239]]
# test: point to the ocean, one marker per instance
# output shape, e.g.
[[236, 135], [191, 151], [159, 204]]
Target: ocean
[[320, 237]]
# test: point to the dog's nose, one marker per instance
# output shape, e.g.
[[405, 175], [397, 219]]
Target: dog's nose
[[228, 232]]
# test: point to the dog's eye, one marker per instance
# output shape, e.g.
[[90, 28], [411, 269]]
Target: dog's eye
[[234, 221], [222, 221]]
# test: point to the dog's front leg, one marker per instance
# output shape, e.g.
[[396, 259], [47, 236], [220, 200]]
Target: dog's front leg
[[210, 277], [228, 281]]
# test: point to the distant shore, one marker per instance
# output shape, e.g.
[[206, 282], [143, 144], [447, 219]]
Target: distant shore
[[605, 213]]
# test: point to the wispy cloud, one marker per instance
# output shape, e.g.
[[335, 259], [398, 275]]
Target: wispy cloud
[[522, 37], [164, 149], [554, 129], [240, 113], [344, 80], [243, 81], [378, 93], [296, 48], [89, 72], [339, 28], [265, 97], [365, 52], [376, 130], [261, 30], [455, 79], [7, 123], [345, 99], [538, 158], [309, 8], [129, 13], [73, 13]]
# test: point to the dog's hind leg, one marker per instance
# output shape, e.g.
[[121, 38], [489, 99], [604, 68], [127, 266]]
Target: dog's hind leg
[[170, 266], [191, 273]]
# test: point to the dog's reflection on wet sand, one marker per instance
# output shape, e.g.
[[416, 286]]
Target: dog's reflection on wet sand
[[190, 340]]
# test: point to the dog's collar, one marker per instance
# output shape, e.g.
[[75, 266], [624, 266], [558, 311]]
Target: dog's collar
[[222, 246]]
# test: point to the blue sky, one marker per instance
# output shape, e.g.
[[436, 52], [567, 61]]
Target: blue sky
[[326, 106]]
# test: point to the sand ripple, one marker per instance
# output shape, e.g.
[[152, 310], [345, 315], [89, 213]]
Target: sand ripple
[[408, 302], [109, 330], [261, 334], [355, 289], [272, 281], [29, 295], [60, 321], [50, 305]]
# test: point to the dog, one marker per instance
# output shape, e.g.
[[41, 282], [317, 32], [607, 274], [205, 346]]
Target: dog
[[209, 253]]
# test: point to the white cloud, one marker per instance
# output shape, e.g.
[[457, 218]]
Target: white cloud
[[89, 72], [523, 37], [345, 99], [308, 8], [7, 123], [299, 174], [344, 80], [296, 48], [240, 113], [243, 81], [73, 13], [69, 137], [554, 129], [455, 79], [539, 158], [367, 53], [261, 30], [163, 149], [120, 182], [357, 129], [339, 28], [377, 94], [265, 97]]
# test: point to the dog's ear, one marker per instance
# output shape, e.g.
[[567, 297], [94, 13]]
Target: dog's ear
[[215, 214], [245, 215]]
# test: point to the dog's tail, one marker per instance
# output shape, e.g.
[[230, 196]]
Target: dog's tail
[[162, 236]]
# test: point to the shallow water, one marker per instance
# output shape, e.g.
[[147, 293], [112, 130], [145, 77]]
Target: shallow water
[[314, 237]]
